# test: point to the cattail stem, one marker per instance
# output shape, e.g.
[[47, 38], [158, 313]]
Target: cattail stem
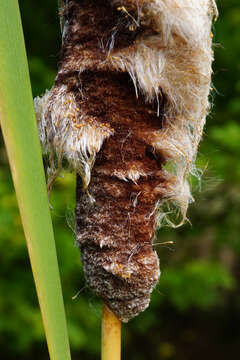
[[111, 335]]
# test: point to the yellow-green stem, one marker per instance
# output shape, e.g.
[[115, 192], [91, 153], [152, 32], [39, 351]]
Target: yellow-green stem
[[111, 335]]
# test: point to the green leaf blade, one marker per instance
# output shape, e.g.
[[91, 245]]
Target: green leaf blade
[[21, 138]]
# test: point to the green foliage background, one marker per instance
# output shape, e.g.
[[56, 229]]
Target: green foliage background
[[195, 309]]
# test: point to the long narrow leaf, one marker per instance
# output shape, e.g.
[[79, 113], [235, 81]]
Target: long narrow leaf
[[21, 139]]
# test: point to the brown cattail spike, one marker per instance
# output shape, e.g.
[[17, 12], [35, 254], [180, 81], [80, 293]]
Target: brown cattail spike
[[131, 95]]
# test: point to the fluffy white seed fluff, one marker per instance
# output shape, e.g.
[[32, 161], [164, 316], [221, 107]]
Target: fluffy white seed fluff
[[175, 61], [67, 133]]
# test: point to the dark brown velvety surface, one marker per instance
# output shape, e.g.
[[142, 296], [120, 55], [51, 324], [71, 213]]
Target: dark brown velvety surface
[[115, 231]]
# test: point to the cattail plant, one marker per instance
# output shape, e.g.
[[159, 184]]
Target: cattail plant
[[127, 112]]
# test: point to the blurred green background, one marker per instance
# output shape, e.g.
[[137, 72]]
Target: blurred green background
[[195, 309]]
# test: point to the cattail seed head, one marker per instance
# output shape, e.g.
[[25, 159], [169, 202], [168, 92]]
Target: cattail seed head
[[130, 96]]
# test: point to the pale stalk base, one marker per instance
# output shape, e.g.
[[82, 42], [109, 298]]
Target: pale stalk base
[[111, 335]]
